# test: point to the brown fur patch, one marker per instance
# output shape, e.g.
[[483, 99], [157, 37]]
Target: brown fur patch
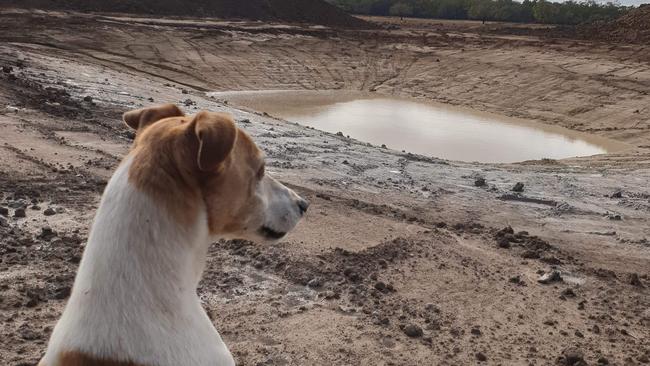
[[164, 167], [140, 118], [229, 195], [81, 359], [186, 160]]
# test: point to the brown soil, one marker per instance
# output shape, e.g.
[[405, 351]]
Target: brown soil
[[402, 259]]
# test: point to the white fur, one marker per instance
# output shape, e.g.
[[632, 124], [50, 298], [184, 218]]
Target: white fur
[[281, 208], [134, 296]]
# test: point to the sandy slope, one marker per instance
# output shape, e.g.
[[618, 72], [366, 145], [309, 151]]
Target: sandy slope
[[393, 241]]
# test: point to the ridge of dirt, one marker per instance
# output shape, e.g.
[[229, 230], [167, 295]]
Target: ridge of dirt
[[633, 26], [297, 11]]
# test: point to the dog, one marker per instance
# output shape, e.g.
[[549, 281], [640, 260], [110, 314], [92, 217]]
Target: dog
[[188, 181]]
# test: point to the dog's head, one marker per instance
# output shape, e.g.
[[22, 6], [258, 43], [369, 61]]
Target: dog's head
[[205, 160]]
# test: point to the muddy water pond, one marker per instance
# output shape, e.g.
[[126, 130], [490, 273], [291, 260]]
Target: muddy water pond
[[429, 129]]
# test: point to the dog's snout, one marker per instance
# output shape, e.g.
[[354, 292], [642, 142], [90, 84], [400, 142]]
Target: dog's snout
[[303, 205]]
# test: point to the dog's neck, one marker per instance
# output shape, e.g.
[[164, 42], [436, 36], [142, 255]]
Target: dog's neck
[[137, 249], [135, 291]]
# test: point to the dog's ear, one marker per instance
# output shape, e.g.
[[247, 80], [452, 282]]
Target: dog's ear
[[141, 118], [216, 134]]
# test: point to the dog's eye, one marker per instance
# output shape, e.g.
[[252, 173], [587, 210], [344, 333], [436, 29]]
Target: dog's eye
[[260, 173]]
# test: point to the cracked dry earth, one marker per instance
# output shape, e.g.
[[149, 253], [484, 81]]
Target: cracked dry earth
[[402, 259]]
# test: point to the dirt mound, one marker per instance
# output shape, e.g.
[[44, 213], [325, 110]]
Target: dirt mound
[[634, 26], [302, 11]]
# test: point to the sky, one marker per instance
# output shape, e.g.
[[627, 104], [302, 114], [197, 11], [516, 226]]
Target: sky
[[627, 2]]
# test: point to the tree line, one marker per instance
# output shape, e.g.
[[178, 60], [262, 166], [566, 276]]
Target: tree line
[[540, 11]]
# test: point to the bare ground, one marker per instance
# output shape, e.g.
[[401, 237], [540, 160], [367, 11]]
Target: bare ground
[[402, 259]]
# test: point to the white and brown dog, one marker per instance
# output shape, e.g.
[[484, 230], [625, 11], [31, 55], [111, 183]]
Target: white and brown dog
[[187, 181]]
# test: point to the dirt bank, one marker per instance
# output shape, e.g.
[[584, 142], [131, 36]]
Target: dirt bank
[[402, 259], [293, 11]]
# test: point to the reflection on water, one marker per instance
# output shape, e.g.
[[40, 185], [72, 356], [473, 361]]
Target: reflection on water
[[428, 129]]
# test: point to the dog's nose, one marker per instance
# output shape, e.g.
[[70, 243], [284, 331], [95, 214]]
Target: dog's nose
[[303, 205]]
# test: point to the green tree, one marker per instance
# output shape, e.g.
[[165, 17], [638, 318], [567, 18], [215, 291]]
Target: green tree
[[541, 11], [401, 9], [481, 10]]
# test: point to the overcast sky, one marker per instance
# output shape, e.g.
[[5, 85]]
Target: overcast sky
[[628, 2]]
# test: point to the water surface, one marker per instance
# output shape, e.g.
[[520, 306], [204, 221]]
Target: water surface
[[425, 128]]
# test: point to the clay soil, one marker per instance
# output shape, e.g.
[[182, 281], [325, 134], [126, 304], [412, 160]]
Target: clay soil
[[402, 259]]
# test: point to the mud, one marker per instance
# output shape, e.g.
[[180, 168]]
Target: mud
[[402, 259]]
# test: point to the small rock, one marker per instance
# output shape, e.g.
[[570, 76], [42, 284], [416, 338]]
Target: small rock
[[503, 242], [315, 283], [33, 299], [519, 187], [603, 361], [413, 331], [383, 146], [550, 277], [28, 334], [20, 212], [475, 331], [481, 356], [568, 293], [47, 233], [617, 194], [150, 99], [382, 321], [17, 204], [245, 121], [49, 211], [4, 211], [339, 133], [530, 254], [634, 280], [88, 98], [615, 217], [431, 307], [184, 91], [7, 69], [351, 274], [573, 356], [329, 295], [551, 260], [62, 293], [380, 286], [480, 182], [505, 231]]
